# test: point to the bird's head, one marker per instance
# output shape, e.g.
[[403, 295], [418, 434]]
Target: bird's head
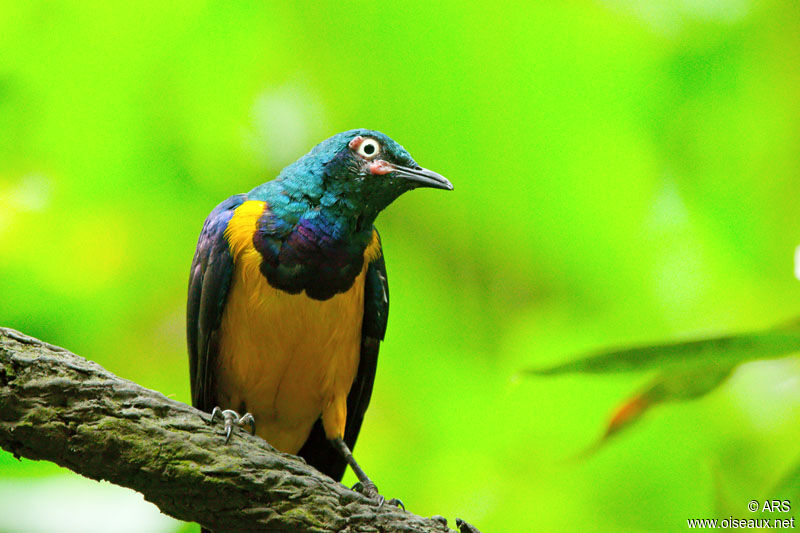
[[362, 170]]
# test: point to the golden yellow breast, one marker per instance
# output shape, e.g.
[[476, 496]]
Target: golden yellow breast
[[286, 358]]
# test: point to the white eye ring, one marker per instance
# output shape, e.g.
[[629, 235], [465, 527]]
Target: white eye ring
[[369, 148]]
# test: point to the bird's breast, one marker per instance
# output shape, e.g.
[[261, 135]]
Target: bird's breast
[[286, 358]]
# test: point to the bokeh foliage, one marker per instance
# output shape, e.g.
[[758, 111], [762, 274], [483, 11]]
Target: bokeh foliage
[[626, 171]]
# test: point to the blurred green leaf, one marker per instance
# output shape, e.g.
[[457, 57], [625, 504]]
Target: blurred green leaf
[[717, 351], [688, 370], [723, 505], [789, 484]]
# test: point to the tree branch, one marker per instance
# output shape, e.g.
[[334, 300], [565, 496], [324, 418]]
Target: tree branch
[[57, 406]]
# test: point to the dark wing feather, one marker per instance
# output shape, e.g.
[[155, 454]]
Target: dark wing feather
[[209, 280], [317, 451]]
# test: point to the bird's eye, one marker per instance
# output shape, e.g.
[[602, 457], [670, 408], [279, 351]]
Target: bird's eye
[[369, 148]]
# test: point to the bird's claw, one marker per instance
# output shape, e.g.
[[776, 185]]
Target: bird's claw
[[231, 417], [369, 490], [396, 502]]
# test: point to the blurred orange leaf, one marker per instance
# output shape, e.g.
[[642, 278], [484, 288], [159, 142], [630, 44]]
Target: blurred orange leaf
[[667, 387]]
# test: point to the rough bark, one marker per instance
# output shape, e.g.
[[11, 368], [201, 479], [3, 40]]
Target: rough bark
[[57, 406]]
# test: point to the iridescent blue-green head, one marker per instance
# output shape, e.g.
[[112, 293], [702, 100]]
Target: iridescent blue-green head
[[319, 211], [357, 173]]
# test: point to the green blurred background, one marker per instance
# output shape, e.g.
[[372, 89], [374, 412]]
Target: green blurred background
[[625, 171]]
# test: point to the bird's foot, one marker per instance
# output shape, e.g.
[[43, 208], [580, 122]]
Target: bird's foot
[[231, 418], [371, 491]]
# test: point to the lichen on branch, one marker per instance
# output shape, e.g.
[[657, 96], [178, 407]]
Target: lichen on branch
[[57, 406]]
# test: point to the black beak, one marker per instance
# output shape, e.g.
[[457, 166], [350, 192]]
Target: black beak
[[423, 176]]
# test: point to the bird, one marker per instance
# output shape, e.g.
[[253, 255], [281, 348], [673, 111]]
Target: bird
[[288, 299]]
